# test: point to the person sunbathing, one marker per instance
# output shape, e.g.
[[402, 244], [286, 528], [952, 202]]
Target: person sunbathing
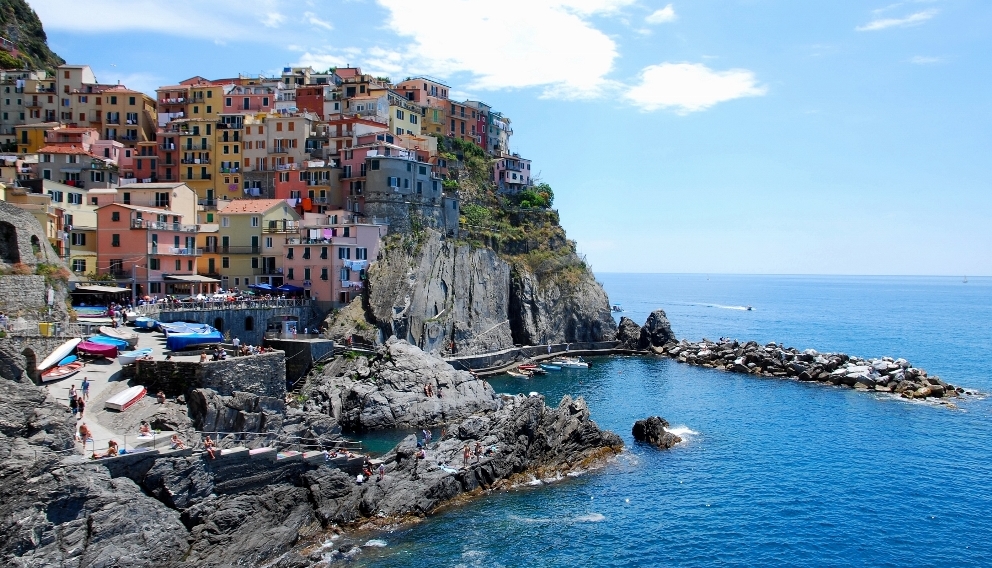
[[145, 429], [111, 451], [177, 444], [208, 445]]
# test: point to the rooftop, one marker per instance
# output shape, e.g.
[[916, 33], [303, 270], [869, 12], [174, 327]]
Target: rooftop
[[239, 206]]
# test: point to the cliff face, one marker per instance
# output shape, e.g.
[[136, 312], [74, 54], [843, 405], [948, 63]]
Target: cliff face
[[21, 25], [446, 290]]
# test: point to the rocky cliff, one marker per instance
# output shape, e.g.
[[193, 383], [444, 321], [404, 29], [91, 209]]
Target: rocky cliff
[[448, 296], [20, 24]]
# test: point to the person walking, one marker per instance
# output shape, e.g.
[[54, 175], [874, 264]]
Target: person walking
[[86, 388], [73, 405], [81, 404]]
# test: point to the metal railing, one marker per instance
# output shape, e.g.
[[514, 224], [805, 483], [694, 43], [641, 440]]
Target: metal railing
[[242, 303]]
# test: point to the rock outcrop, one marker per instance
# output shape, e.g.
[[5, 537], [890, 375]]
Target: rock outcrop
[[389, 389], [657, 331], [882, 374], [262, 419], [450, 298], [654, 431], [628, 334]]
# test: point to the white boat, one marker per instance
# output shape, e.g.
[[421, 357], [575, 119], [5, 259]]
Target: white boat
[[61, 372], [131, 316], [129, 357], [60, 353], [122, 333], [124, 399], [570, 363]]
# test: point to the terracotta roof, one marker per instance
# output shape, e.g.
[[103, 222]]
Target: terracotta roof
[[252, 205], [64, 150]]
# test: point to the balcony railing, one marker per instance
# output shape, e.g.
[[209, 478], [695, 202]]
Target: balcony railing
[[167, 146], [283, 227], [195, 161], [159, 226], [190, 147], [278, 150], [268, 270], [230, 170], [221, 249], [154, 249], [207, 203]]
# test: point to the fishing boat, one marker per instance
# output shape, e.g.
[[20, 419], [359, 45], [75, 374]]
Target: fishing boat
[[570, 363], [60, 353], [62, 371], [122, 333], [132, 356], [518, 374], [550, 367], [125, 399], [97, 349], [144, 323], [120, 344]]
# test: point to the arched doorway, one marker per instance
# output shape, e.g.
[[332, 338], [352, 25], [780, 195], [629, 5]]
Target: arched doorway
[[9, 251], [31, 365], [249, 323], [219, 324]]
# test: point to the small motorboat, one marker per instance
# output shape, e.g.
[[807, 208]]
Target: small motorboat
[[532, 369], [570, 363], [518, 374], [131, 356], [748, 308], [124, 399], [616, 308], [144, 323], [120, 344], [121, 333], [62, 371], [131, 317], [59, 354], [550, 367]]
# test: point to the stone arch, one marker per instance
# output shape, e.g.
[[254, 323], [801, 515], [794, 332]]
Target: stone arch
[[31, 364], [249, 323], [9, 251], [219, 324]]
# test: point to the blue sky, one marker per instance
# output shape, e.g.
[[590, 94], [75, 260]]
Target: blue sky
[[733, 136]]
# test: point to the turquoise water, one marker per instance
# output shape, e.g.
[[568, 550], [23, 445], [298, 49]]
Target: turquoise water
[[771, 472]]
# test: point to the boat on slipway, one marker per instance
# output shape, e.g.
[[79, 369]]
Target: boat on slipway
[[121, 333], [132, 356], [97, 349], [125, 399], [61, 352], [120, 344], [66, 368]]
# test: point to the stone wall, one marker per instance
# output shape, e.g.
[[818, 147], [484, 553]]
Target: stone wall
[[27, 296], [22, 239], [506, 357], [300, 354], [236, 321], [440, 214], [257, 374], [21, 354]]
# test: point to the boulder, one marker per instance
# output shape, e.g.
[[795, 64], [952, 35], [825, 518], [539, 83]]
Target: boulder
[[657, 330], [628, 334], [654, 431]]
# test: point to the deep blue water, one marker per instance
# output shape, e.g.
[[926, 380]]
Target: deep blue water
[[772, 472]]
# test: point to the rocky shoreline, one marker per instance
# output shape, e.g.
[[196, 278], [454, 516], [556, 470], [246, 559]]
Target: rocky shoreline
[[772, 360]]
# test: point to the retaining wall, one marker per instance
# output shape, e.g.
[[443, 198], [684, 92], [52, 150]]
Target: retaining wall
[[20, 354], [236, 320], [506, 357], [300, 354], [263, 374]]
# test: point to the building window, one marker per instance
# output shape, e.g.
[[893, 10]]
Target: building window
[[289, 274], [306, 274], [344, 274], [179, 265], [289, 253], [79, 265], [254, 221], [155, 287], [225, 221], [155, 264], [254, 262], [374, 165], [323, 273], [306, 253], [268, 242], [127, 198], [344, 253], [77, 239], [361, 254], [115, 240], [225, 262]]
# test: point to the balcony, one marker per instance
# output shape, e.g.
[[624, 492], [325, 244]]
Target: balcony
[[32, 103], [167, 146], [160, 226], [282, 227], [278, 150], [194, 161], [207, 203], [267, 270], [230, 170], [196, 177], [221, 249], [175, 251], [191, 147]]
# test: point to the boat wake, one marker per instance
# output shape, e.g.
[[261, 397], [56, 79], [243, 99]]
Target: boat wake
[[590, 518], [738, 308]]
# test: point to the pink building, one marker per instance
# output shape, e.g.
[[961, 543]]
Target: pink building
[[249, 99], [151, 245], [512, 173], [331, 254]]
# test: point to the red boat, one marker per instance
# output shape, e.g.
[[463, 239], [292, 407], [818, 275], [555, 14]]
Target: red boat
[[97, 349], [61, 372]]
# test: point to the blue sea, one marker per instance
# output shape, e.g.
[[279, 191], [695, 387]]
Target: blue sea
[[771, 472]]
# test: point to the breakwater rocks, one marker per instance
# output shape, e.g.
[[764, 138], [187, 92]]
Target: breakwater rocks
[[883, 374], [654, 431]]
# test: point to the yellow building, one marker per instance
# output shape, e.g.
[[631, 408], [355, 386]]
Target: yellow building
[[252, 238], [31, 137], [205, 101]]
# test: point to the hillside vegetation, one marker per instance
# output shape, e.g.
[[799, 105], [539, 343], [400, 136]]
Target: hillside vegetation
[[20, 24]]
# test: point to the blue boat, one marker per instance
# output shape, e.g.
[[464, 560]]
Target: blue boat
[[120, 344], [67, 360], [145, 323], [548, 367], [180, 341], [170, 328]]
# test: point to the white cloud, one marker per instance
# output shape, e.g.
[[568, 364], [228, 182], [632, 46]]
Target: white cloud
[[316, 21], [273, 20], [322, 61], [223, 20], [549, 44], [910, 20], [666, 14], [922, 60], [688, 87]]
